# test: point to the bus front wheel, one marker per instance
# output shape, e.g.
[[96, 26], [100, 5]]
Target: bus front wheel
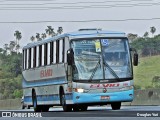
[[84, 108], [116, 105], [34, 101], [66, 108]]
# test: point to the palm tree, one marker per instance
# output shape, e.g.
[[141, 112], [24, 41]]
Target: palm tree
[[6, 48], [17, 47], [152, 30], [18, 36], [60, 30], [1, 50], [43, 35], [12, 45], [50, 31], [145, 34], [38, 37], [32, 38]]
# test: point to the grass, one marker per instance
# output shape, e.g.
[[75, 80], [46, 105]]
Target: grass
[[148, 68]]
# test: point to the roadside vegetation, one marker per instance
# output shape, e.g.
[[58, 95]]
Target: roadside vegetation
[[11, 63], [147, 73]]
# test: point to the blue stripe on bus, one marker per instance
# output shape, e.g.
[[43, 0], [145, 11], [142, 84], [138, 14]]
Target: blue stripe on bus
[[36, 83], [47, 97]]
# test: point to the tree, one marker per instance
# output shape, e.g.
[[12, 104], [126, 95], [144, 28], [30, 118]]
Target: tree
[[43, 35], [5, 49], [6, 46], [18, 36], [1, 50], [152, 30], [132, 37], [60, 30], [38, 37], [17, 48], [12, 45], [50, 31], [32, 38], [145, 34]]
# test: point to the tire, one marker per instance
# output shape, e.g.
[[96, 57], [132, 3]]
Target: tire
[[66, 108], [34, 102], [116, 105], [22, 106], [76, 108], [44, 108], [84, 108]]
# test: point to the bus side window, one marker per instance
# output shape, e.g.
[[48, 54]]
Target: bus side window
[[45, 53], [63, 51], [57, 51], [29, 58], [34, 57], [51, 52], [40, 55], [24, 59], [37, 55]]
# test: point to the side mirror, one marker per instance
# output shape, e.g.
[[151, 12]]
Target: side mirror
[[135, 59], [70, 56], [135, 56]]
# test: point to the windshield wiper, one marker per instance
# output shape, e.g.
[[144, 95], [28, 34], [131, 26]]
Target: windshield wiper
[[95, 69], [110, 69]]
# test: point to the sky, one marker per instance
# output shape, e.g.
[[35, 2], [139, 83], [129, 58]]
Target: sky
[[33, 16]]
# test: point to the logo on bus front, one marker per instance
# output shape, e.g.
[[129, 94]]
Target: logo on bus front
[[109, 85]]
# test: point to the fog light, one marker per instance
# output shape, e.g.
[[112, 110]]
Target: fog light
[[77, 97]]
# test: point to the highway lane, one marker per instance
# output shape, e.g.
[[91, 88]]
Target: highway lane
[[97, 112], [102, 108]]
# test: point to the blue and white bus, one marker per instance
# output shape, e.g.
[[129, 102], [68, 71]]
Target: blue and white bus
[[79, 69]]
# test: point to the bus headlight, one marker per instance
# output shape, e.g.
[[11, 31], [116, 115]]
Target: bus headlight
[[80, 90]]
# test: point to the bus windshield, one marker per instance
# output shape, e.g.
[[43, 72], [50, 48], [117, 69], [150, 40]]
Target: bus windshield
[[101, 59]]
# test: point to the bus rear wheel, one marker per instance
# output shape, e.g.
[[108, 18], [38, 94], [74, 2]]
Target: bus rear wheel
[[116, 105], [80, 108], [44, 108]]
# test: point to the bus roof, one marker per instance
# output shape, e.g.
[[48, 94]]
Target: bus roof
[[82, 33]]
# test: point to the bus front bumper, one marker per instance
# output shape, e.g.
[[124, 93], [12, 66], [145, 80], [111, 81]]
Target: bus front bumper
[[122, 96]]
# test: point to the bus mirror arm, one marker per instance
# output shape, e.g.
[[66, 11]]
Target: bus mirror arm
[[70, 56], [135, 56]]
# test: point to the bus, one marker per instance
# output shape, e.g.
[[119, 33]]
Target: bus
[[79, 69]]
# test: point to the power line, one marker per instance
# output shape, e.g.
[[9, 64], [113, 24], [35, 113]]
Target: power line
[[91, 2], [81, 21], [80, 7]]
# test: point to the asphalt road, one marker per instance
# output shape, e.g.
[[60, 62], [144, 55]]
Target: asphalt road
[[94, 113]]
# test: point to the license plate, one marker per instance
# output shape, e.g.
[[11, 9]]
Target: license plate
[[105, 97]]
